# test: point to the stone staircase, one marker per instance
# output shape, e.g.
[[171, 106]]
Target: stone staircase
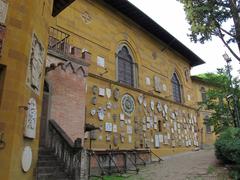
[[49, 167]]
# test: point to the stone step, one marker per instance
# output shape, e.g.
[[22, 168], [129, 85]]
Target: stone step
[[51, 176], [50, 169], [46, 157], [49, 163]]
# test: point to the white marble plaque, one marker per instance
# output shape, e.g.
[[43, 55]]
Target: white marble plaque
[[164, 87], [108, 127], [115, 128], [130, 139], [156, 140], [3, 11], [31, 119], [129, 129], [101, 61], [122, 117], [108, 93], [144, 127], [152, 105], [35, 65], [157, 84], [26, 158], [101, 92], [148, 81]]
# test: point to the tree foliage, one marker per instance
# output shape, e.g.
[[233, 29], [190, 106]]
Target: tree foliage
[[218, 101], [208, 18]]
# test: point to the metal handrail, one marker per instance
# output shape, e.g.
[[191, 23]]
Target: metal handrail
[[65, 149], [159, 159]]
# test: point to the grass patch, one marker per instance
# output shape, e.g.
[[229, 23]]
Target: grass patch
[[109, 178], [211, 169]]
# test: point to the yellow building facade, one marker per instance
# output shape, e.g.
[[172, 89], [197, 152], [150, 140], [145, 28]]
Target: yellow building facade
[[97, 28], [206, 133]]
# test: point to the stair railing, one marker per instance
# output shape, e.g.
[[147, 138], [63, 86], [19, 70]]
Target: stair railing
[[65, 149]]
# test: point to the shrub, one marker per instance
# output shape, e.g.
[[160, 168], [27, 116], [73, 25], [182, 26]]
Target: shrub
[[227, 146]]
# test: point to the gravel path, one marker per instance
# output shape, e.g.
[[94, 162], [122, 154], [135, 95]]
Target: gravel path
[[199, 165]]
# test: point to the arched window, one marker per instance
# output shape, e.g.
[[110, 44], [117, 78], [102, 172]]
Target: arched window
[[176, 88], [203, 94], [125, 66]]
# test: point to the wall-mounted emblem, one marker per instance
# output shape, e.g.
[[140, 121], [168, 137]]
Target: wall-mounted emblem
[[101, 92], [140, 99], [145, 102], [35, 65], [101, 114], [157, 84], [116, 94], [94, 89], [31, 119], [3, 11], [93, 112], [152, 105], [165, 107], [159, 106], [128, 104], [94, 100], [109, 105], [108, 92], [26, 158], [86, 17], [108, 127]]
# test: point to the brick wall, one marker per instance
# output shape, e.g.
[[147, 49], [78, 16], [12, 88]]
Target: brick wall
[[67, 83]]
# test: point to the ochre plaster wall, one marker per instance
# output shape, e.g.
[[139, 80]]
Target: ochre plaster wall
[[23, 18], [205, 137]]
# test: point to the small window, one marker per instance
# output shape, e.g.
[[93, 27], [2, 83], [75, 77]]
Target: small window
[[176, 88], [203, 94], [208, 127], [125, 66]]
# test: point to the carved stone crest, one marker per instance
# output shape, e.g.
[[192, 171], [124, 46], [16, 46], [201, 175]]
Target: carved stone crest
[[86, 17], [128, 104], [31, 120], [157, 84], [159, 106], [116, 94], [35, 65], [152, 105], [101, 114], [140, 99], [108, 92]]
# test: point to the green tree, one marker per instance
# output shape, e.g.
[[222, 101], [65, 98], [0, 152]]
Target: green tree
[[208, 18], [219, 100]]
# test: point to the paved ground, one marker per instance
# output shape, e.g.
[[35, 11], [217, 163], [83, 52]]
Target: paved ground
[[198, 165]]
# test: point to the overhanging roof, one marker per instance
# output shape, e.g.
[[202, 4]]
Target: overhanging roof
[[135, 14], [59, 5]]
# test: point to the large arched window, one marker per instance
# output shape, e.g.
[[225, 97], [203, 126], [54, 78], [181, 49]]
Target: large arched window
[[125, 66], [176, 88]]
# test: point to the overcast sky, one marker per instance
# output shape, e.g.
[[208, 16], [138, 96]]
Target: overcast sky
[[170, 15]]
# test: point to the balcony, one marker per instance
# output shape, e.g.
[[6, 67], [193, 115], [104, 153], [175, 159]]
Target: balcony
[[60, 47]]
